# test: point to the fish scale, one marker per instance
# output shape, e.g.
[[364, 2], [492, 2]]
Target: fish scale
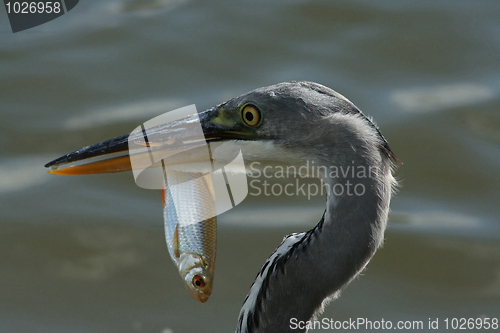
[[191, 228]]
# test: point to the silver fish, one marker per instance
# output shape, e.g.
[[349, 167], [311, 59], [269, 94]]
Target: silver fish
[[191, 228]]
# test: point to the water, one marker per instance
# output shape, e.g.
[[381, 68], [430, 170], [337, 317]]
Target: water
[[87, 253]]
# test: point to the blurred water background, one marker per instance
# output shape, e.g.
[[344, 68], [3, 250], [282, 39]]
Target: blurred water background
[[87, 253]]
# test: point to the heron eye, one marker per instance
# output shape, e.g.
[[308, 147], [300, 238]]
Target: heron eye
[[251, 115], [198, 281]]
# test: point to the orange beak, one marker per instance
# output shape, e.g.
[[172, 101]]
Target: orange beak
[[181, 140], [115, 164]]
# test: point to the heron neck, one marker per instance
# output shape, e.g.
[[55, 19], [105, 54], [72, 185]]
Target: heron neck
[[309, 269]]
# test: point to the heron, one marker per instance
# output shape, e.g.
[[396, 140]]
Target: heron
[[292, 122]]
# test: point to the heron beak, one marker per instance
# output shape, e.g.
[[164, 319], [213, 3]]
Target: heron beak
[[114, 155], [108, 147]]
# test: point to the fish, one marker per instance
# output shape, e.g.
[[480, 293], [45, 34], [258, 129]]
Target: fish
[[190, 218]]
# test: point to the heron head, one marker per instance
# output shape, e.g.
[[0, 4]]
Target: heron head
[[283, 123], [291, 122]]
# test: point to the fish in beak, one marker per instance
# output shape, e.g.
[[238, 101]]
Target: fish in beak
[[190, 210]]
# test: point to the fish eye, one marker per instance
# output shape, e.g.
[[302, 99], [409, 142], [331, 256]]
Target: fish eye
[[198, 281], [251, 115]]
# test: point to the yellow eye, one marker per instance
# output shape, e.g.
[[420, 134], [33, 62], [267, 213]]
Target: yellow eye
[[198, 281], [251, 115]]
